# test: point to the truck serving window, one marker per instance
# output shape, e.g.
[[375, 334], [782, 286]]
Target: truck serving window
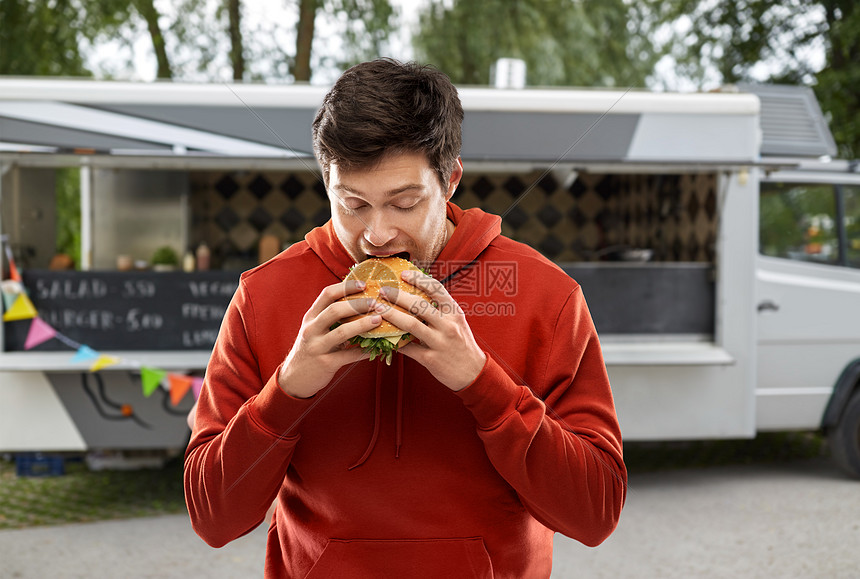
[[798, 221]]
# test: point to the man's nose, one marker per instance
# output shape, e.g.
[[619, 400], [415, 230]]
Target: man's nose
[[378, 233]]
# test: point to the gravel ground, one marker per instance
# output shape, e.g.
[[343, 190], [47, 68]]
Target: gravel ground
[[795, 519]]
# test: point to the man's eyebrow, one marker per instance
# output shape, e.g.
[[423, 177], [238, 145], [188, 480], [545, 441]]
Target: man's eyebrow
[[390, 193]]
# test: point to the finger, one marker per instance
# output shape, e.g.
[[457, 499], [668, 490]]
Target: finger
[[434, 290], [409, 323], [415, 305], [431, 287], [335, 339], [348, 356], [341, 312], [332, 293], [417, 352]]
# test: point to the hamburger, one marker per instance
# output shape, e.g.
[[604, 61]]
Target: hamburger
[[378, 272]]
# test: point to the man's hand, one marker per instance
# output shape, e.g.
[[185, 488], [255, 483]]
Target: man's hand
[[447, 347], [319, 351]]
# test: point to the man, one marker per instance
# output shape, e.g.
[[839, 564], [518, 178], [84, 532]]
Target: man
[[492, 430]]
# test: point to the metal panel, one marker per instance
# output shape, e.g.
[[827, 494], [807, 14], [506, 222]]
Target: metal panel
[[81, 118], [549, 137], [673, 137], [487, 135], [16, 131], [32, 417], [791, 121], [95, 400], [659, 298], [285, 128]]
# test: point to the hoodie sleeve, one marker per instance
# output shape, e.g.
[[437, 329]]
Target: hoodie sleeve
[[561, 451], [243, 436]]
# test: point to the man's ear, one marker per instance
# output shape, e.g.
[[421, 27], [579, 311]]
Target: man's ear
[[454, 180]]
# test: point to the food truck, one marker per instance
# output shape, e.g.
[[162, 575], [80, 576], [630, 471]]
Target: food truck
[[716, 239]]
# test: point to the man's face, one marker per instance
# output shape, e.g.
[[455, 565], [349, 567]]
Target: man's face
[[396, 206]]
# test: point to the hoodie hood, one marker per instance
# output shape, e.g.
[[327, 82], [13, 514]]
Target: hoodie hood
[[474, 231]]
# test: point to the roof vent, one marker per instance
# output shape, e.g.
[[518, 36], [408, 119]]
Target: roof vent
[[508, 73], [791, 121]]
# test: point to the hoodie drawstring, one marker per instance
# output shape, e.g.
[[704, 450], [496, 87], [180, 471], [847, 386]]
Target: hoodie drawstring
[[377, 414], [398, 433], [376, 419]]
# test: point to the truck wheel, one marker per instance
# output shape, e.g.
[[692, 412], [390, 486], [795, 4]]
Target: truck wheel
[[844, 439]]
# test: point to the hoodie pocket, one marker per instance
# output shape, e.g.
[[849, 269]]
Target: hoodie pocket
[[413, 558]]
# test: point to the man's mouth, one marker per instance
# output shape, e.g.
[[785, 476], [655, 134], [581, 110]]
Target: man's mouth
[[403, 255]]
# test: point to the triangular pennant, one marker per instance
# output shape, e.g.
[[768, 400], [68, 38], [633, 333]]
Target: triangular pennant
[[150, 379], [22, 309], [9, 299], [85, 354], [179, 386], [39, 332], [13, 271], [102, 362], [196, 385]]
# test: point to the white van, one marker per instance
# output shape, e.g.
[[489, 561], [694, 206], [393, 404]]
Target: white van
[[717, 244]]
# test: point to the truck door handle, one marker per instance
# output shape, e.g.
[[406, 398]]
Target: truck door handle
[[768, 305]]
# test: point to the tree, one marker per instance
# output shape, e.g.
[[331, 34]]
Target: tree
[[40, 37], [237, 49], [772, 41], [563, 42], [837, 82], [146, 9], [364, 27]]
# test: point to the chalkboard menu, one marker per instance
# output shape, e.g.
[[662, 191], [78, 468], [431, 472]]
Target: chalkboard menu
[[113, 310]]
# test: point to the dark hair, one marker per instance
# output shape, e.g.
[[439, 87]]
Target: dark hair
[[385, 106]]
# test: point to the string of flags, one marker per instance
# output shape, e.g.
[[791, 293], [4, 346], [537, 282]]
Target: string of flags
[[19, 307]]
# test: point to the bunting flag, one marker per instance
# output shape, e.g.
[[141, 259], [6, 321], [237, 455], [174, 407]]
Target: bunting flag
[[39, 332], [102, 362], [11, 290], [179, 386], [151, 378], [9, 298], [22, 309], [196, 385], [85, 354], [17, 306], [13, 271]]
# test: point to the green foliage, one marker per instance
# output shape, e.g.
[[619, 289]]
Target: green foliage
[[770, 41], [766, 448], [381, 348], [368, 25], [563, 42], [82, 495], [40, 37], [794, 215], [68, 195], [734, 36], [837, 82], [165, 255]]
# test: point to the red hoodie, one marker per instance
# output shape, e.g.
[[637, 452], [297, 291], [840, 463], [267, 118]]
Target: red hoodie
[[388, 473]]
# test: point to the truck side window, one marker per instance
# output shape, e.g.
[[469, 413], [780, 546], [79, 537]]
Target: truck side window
[[851, 196], [798, 221]]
